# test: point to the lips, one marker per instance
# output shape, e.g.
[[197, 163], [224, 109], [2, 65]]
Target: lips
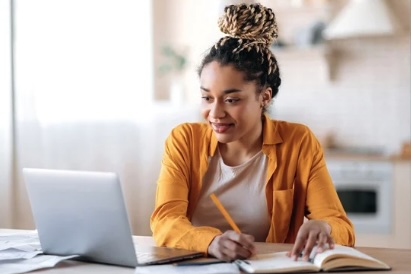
[[221, 127]]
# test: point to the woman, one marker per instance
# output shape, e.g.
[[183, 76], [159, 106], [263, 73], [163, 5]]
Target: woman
[[268, 174]]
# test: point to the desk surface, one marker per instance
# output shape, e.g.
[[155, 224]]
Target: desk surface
[[398, 259]]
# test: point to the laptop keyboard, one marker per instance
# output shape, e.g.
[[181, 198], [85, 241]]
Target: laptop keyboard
[[146, 257]]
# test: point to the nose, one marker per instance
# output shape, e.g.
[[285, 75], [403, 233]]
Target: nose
[[217, 110]]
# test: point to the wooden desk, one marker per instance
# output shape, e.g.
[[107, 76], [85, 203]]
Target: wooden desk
[[398, 259]]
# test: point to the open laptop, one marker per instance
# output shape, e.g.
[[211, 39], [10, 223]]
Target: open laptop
[[83, 213]]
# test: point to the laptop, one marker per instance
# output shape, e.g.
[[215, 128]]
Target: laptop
[[83, 213]]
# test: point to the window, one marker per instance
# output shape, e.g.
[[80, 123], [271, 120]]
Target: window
[[82, 60]]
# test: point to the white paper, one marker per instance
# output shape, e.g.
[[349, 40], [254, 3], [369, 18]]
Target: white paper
[[20, 239], [220, 268], [21, 252], [17, 246], [26, 265], [17, 254]]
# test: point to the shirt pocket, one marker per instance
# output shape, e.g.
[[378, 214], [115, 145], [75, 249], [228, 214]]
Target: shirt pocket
[[283, 203]]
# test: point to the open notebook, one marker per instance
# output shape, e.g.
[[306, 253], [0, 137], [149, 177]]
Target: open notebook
[[341, 258], [83, 213]]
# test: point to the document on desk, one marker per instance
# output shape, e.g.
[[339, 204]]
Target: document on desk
[[19, 239], [218, 268], [21, 253], [18, 253], [17, 246], [26, 265]]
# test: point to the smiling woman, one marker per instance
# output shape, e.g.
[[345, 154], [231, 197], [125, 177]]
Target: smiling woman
[[270, 175]]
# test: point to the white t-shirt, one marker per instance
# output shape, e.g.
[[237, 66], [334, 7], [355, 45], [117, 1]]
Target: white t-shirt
[[241, 190]]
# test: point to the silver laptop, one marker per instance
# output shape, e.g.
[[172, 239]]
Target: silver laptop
[[83, 213]]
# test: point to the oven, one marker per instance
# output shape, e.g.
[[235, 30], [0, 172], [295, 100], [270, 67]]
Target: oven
[[365, 190]]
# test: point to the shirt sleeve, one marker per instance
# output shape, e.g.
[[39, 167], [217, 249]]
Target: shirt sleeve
[[322, 200], [169, 222]]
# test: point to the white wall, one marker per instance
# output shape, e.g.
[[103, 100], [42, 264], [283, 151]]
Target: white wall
[[366, 100]]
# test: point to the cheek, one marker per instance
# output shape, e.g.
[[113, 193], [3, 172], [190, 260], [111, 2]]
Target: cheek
[[250, 109], [205, 112], [255, 107]]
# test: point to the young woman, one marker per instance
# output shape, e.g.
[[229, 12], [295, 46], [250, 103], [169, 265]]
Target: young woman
[[268, 174]]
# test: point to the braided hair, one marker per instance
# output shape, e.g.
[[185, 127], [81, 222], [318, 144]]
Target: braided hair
[[250, 29]]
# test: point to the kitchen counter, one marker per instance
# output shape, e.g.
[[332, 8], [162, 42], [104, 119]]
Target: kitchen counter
[[348, 154]]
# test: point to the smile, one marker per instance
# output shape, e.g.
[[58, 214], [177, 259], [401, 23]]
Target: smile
[[221, 127]]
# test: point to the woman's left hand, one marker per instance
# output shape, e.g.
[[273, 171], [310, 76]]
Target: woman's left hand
[[311, 233]]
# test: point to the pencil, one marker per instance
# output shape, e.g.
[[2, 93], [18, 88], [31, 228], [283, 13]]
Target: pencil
[[224, 212]]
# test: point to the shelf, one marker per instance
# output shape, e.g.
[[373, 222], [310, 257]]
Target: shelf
[[298, 52], [316, 61]]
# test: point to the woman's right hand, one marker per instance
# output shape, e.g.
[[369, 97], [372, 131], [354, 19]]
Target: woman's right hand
[[231, 246]]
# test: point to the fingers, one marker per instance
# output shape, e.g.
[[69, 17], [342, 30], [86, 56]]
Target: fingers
[[298, 246], [313, 237], [324, 242], [232, 245], [247, 242]]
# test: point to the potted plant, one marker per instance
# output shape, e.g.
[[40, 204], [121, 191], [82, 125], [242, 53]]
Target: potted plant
[[174, 64]]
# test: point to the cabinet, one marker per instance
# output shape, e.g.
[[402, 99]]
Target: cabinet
[[400, 235], [390, 180]]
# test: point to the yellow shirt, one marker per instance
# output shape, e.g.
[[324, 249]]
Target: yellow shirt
[[297, 184]]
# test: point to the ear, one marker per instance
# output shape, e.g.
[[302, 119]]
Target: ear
[[266, 96]]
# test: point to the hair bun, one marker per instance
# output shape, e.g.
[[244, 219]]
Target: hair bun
[[252, 21]]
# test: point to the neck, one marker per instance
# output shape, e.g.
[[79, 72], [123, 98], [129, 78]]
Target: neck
[[238, 152]]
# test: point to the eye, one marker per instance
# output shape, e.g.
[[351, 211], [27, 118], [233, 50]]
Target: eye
[[206, 98], [232, 100]]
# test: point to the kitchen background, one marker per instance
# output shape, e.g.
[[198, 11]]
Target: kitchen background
[[352, 91], [357, 90]]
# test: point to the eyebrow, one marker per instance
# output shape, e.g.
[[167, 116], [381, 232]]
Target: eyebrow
[[227, 91]]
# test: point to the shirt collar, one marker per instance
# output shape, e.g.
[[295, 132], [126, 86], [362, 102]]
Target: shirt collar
[[270, 135]]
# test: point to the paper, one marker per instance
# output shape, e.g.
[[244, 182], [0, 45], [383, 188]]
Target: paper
[[26, 265], [24, 239], [17, 254], [21, 252], [17, 246], [220, 268]]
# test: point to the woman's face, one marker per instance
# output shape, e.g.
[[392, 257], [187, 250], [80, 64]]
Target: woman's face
[[230, 104]]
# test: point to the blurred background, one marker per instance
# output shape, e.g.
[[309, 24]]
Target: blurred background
[[98, 85]]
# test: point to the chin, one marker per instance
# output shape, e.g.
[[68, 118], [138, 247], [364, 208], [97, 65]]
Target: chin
[[224, 138]]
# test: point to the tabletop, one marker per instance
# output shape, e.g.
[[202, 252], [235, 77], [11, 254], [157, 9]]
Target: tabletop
[[398, 259]]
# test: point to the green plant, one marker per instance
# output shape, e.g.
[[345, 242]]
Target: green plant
[[174, 61]]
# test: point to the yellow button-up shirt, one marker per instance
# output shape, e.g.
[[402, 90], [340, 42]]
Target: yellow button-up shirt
[[297, 184]]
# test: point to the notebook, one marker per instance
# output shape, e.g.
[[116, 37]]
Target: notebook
[[83, 213]]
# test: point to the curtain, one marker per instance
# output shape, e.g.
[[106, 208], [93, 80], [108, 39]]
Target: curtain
[[6, 129], [83, 89]]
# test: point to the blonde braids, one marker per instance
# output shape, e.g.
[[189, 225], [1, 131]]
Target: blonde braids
[[254, 26]]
